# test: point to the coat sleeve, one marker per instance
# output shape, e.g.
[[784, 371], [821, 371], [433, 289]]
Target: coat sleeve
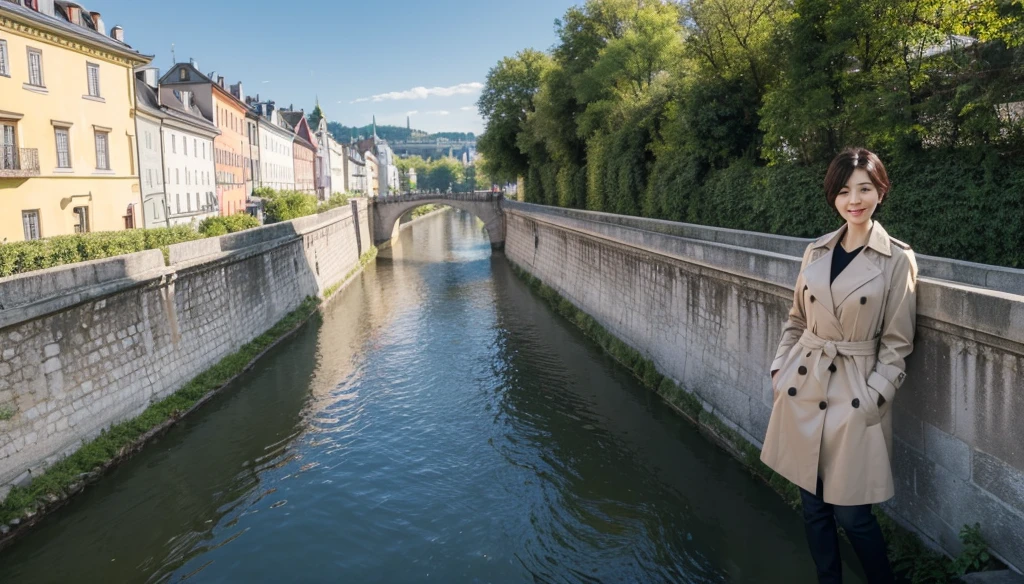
[[898, 324], [797, 321]]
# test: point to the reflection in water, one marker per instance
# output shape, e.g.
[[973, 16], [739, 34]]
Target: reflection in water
[[439, 425]]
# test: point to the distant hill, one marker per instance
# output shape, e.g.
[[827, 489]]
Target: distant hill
[[345, 134]]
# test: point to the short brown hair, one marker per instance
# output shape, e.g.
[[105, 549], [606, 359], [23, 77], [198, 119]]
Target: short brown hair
[[845, 163]]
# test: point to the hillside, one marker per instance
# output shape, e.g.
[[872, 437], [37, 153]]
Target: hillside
[[345, 134]]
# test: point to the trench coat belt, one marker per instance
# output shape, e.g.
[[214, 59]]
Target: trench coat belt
[[830, 349]]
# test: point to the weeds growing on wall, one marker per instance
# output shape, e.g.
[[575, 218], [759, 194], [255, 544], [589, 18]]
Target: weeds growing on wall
[[907, 553]]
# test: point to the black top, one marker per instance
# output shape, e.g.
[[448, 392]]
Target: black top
[[842, 258]]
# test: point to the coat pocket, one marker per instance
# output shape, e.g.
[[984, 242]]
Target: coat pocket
[[867, 396]]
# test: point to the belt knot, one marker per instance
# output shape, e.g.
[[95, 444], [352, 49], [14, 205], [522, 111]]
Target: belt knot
[[830, 350]]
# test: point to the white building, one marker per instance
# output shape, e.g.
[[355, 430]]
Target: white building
[[277, 158], [339, 166], [175, 154], [356, 171]]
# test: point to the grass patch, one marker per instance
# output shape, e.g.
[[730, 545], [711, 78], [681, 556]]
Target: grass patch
[[364, 259], [6, 413], [67, 476], [909, 556]]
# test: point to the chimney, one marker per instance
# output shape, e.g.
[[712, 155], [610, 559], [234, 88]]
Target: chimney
[[149, 76], [97, 21], [45, 7], [194, 63], [117, 33], [237, 91], [220, 81], [74, 15]]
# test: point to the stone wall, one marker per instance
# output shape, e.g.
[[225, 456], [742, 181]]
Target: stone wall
[[88, 345], [707, 307]]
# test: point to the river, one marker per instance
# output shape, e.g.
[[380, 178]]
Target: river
[[439, 423]]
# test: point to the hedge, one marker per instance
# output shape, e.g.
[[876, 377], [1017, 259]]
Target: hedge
[[966, 205], [26, 256]]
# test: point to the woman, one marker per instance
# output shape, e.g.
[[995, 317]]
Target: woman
[[840, 361]]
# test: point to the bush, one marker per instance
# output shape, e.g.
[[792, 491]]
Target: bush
[[336, 200], [287, 205], [28, 256], [214, 226]]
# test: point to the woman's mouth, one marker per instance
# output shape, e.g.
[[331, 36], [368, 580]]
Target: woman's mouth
[[857, 212]]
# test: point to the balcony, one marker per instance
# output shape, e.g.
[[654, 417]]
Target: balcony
[[18, 162]]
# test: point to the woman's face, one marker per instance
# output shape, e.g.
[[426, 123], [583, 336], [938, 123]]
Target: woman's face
[[856, 202]]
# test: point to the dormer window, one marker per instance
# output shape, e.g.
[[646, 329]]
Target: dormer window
[[182, 75]]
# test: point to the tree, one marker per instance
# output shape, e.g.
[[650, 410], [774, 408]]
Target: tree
[[315, 116], [505, 102]]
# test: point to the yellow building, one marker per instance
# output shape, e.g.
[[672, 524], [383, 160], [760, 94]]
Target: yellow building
[[67, 129]]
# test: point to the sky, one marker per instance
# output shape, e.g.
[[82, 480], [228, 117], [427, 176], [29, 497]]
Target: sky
[[427, 59]]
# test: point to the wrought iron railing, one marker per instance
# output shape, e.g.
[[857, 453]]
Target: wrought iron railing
[[18, 162]]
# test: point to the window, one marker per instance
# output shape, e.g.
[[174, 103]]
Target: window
[[187, 177], [35, 67], [81, 219], [149, 177], [204, 150], [93, 73], [102, 151], [177, 176], [182, 74], [8, 147], [63, 140], [195, 147], [5, 68], [177, 203], [174, 144], [30, 223], [188, 199], [184, 145], [129, 217], [198, 205]]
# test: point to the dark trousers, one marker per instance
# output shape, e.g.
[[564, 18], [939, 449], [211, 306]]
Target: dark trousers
[[861, 528]]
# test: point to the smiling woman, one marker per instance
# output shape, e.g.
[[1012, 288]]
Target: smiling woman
[[839, 363]]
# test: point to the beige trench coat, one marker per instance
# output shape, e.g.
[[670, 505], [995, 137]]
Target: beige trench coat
[[844, 345]]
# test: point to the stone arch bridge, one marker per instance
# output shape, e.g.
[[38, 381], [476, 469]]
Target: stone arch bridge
[[483, 204]]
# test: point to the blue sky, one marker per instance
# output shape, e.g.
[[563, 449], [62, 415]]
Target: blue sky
[[360, 57]]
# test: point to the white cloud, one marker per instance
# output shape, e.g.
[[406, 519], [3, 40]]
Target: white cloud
[[468, 108], [438, 113], [425, 92], [412, 113]]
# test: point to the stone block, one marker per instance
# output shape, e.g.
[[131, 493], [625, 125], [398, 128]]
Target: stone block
[[948, 451], [1003, 481], [995, 577]]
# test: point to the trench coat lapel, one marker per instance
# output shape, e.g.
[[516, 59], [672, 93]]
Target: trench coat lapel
[[860, 271], [817, 275]]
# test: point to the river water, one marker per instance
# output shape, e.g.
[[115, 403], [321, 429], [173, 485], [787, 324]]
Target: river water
[[439, 424]]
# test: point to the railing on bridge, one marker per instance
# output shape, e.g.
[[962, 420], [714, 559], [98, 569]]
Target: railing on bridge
[[476, 196]]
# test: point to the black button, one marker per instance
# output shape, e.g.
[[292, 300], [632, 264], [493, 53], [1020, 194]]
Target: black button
[[856, 403], [863, 300], [822, 405], [808, 354], [832, 367], [802, 370], [812, 297], [792, 391]]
